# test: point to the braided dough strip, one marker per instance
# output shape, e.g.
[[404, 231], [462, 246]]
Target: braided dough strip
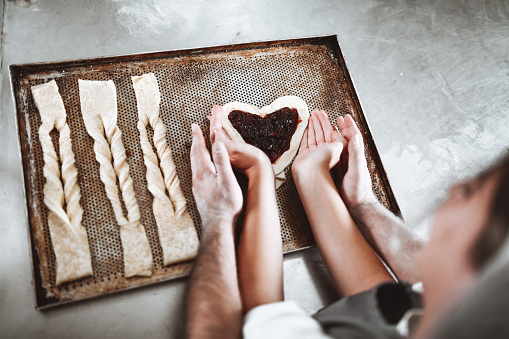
[[99, 110], [177, 233], [68, 236]]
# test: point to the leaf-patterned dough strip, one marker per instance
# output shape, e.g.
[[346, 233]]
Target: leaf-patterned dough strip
[[99, 110], [68, 236], [177, 233]]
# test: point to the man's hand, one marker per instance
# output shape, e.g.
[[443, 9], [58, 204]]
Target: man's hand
[[215, 188], [244, 158], [214, 308], [321, 146], [352, 171], [379, 226]]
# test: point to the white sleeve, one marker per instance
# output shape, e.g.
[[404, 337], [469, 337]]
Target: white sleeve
[[281, 320]]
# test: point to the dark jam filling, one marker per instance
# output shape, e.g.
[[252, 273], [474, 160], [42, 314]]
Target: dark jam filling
[[271, 133]]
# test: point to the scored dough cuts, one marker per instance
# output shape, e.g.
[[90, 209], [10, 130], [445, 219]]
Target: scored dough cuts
[[289, 101], [68, 236], [177, 234], [99, 109]]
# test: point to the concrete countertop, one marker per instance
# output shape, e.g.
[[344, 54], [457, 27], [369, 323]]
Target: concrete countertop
[[432, 78]]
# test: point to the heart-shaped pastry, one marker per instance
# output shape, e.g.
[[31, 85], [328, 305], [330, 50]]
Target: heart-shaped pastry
[[276, 129]]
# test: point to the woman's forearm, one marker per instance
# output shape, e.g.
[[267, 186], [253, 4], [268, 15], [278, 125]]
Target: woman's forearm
[[352, 264], [260, 251]]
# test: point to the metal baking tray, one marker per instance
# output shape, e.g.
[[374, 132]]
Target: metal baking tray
[[190, 82]]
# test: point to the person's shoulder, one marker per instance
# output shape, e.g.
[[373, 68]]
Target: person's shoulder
[[375, 313]]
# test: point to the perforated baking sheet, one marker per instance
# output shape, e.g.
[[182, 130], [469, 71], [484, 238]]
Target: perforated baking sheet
[[190, 82]]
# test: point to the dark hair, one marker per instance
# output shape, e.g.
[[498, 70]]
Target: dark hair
[[494, 234]]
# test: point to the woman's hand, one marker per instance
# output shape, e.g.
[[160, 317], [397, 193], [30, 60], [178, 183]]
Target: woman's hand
[[335, 233], [244, 158], [320, 148], [216, 190]]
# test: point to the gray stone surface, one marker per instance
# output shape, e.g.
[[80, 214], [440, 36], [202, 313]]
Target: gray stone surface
[[432, 77]]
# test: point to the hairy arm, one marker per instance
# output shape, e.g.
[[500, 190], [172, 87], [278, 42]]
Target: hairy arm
[[214, 308], [351, 262], [392, 239], [260, 256]]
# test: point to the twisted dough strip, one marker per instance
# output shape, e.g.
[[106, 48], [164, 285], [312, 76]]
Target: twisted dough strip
[[68, 236], [177, 233], [99, 110]]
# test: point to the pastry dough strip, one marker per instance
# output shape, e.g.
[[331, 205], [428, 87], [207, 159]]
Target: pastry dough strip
[[68, 236], [99, 110], [177, 234]]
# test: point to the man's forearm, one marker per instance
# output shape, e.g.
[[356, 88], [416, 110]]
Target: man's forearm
[[260, 250], [214, 308], [389, 236]]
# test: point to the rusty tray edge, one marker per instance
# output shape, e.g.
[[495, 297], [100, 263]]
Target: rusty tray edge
[[313, 40], [371, 143], [34, 263]]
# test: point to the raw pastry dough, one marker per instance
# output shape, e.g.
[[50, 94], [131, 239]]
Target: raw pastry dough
[[99, 110], [68, 236], [286, 101], [177, 233]]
